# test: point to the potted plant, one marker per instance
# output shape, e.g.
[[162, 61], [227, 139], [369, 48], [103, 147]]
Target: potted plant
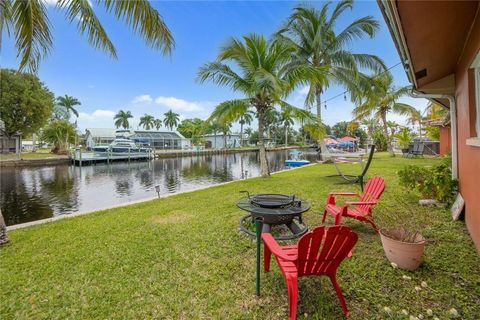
[[399, 230], [403, 138]]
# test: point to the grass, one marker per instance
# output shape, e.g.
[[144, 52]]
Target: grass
[[39, 154], [182, 257]]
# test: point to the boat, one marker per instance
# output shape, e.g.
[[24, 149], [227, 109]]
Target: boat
[[121, 145], [295, 161]]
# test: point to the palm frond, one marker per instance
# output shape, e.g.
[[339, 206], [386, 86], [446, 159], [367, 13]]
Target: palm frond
[[87, 22], [144, 20], [33, 38]]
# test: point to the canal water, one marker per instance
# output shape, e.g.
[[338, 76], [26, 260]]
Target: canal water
[[34, 193]]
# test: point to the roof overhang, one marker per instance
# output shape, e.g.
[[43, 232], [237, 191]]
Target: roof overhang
[[430, 37]]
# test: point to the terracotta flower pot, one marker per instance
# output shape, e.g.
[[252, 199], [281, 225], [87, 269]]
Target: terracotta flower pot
[[406, 255]]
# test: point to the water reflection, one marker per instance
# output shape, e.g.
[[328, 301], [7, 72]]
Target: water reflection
[[35, 193]]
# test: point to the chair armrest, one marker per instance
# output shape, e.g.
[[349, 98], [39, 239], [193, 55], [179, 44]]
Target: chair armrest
[[360, 203], [343, 194], [331, 196], [273, 246]]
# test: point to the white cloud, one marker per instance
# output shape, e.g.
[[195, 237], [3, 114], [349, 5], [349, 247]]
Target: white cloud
[[304, 90], [144, 98], [96, 115], [54, 2], [179, 104]]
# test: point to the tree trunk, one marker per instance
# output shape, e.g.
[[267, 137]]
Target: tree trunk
[[3, 230], [241, 134], [318, 100], [261, 146], [385, 130], [286, 136]]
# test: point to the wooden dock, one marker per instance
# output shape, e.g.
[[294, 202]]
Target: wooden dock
[[79, 158]]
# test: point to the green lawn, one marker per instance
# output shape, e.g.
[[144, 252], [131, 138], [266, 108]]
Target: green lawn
[[183, 257], [39, 154]]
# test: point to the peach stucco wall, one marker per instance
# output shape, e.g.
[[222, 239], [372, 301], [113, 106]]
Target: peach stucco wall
[[468, 156], [445, 141]]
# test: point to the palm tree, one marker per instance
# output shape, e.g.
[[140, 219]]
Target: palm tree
[[147, 121], [371, 124], [121, 119], [68, 102], [415, 116], [248, 132], [225, 130], [287, 121], [244, 118], [265, 76], [214, 127], [272, 117], [29, 22], [157, 123], [393, 126], [171, 119], [379, 99], [318, 44]]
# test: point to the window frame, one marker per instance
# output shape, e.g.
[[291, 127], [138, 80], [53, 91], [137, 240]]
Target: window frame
[[475, 139]]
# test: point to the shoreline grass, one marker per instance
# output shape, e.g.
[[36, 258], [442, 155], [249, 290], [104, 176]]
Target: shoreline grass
[[182, 257]]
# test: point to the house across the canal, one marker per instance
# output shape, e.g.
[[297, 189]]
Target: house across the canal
[[169, 140], [219, 141]]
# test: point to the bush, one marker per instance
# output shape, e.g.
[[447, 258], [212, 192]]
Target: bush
[[380, 141], [435, 182]]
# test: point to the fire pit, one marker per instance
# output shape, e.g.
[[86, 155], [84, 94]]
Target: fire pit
[[274, 209]]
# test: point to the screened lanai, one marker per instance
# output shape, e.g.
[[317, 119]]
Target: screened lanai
[[158, 139]]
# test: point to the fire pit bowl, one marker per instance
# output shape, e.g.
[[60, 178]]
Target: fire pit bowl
[[275, 209]]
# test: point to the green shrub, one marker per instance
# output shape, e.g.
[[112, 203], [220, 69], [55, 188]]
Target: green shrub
[[380, 141], [435, 182]]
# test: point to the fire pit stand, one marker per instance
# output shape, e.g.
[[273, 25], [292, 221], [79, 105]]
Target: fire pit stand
[[275, 209]]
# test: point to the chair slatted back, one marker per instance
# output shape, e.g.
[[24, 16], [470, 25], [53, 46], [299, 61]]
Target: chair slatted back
[[372, 192], [322, 250]]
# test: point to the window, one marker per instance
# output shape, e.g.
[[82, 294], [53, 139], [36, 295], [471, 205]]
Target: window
[[475, 141]]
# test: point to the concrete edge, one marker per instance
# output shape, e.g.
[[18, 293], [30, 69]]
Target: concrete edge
[[82, 213]]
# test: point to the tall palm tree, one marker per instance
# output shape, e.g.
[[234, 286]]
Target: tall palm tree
[[29, 23], [157, 123], [244, 118], [147, 121], [318, 44], [272, 118], [121, 119], [414, 117], [287, 121], [214, 127], [380, 99], [171, 119], [248, 132], [262, 72], [68, 102], [225, 130]]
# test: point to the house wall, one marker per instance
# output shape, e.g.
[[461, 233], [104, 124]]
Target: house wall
[[445, 141], [468, 156]]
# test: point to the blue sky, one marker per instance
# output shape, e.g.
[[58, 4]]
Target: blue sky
[[143, 81]]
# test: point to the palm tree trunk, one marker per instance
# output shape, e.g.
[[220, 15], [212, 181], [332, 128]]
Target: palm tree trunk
[[3, 230], [385, 130], [241, 134], [286, 136], [261, 146], [318, 100]]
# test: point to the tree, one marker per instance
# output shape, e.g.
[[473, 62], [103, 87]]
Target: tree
[[61, 134], [171, 119], [121, 119], [29, 23], [225, 130], [68, 102], [147, 121], [157, 123], [415, 116], [214, 127], [379, 98], [404, 137], [244, 118], [314, 34], [287, 121], [262, 72], [25, 103], [193, 129]]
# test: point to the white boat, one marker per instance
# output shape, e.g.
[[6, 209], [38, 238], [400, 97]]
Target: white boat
[[122, 144]]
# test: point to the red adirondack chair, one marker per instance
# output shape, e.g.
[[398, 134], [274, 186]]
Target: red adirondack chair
[[318, 252], [361, 209]]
